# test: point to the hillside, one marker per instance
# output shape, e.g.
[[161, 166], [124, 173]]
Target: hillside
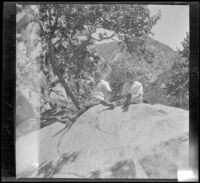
[[109, 50], [109, 144]]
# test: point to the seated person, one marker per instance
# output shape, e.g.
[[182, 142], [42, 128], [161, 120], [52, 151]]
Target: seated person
[[132, 91], [99, 95]]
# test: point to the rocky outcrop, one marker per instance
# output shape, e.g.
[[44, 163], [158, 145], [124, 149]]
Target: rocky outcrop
[[143, 141]]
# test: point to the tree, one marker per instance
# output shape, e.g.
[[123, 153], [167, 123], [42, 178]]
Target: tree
[[185, 52], [178, 77], [67, 30]]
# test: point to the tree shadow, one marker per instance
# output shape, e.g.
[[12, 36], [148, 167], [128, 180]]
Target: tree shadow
[[29, 172], [58, 114], [123, 169], [95, 174], [49, 117], [125, 108], [49, 169]]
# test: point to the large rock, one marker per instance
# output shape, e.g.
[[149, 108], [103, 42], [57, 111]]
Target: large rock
[[144, 141]]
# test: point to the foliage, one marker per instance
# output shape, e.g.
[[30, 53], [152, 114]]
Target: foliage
[[172, 84], [69, 29], [178, 77], [64, 22], [185, 52]]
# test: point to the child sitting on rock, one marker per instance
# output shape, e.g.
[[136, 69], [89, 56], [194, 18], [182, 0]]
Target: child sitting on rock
[[132, 91], [99, 95]]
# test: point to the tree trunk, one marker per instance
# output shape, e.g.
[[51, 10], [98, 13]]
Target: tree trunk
[[60, 77]]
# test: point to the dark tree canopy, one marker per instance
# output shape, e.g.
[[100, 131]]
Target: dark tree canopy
[[178, 77]]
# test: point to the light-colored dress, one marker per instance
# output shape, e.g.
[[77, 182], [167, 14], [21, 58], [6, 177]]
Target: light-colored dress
[[135, 89], [101, 90]]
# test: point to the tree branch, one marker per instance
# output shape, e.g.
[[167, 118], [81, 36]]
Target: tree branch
[[65, 85], [105, 38]]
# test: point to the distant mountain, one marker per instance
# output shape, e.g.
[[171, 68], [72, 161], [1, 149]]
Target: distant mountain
[[162, 60], [161, 51]]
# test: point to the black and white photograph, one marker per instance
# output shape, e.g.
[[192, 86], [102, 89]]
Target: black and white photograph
[[102, 90]]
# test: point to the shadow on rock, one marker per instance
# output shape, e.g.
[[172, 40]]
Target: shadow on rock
[[58, 114], [158, 165], [125, 108], [49, 169], [51, 116], [121, 169], [95, 174], [28, 172]]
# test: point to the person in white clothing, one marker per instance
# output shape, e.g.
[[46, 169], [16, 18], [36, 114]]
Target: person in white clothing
[[132, 91], [99, 95]]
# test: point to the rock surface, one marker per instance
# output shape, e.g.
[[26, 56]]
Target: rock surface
[[144, 141]]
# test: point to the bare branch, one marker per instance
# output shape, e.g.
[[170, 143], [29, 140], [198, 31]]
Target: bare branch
[[105, 38]]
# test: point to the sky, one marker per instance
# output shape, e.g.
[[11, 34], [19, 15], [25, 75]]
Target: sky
[[173, 25], [171, 28]]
